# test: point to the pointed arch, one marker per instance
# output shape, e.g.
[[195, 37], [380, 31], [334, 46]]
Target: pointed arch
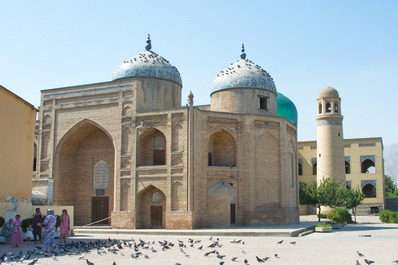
[[369, 190], [176, 196], [47, 119], [177, 142], [368, 166], [220, 198], [151, 213], [222, 149], [127, 111], [151, 148], [80, 154]]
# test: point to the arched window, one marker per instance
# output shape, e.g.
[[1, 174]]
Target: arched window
[[156, 198], [320, 108], [369, 191], [347, 167], [368, 166], [336, 108], [101, 175], [314, 169], [328, 107], [300, 168], [151, 148]]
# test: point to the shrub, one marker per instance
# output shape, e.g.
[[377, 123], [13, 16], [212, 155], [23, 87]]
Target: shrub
[[340, 216], [2, 221], [322, 215], [25, 223], [323, 225], [388, 216]]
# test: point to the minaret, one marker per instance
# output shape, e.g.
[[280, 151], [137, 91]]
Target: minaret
[[330, 141]]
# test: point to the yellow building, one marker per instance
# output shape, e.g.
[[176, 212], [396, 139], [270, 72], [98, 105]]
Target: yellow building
[[17, 125], [364, 168]]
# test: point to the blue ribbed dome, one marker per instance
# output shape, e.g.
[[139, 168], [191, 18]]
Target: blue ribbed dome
[[243, 74], [147, 64], [286, 108]]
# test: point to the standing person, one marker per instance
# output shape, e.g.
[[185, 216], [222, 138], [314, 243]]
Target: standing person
[[16, 237], [37, 216], [29, 233], [65, 226], [49, 231]]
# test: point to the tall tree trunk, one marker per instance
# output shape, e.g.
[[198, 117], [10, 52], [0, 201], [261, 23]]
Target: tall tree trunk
[[319, 213]]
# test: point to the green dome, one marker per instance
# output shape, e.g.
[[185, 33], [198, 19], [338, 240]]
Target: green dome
[[286, 108]]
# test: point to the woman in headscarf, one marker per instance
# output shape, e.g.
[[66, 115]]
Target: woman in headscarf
[[7, 229], [65, 226], [49, 231]]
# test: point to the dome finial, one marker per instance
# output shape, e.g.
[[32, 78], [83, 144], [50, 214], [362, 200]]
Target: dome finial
[[243, 54], [148, 47]]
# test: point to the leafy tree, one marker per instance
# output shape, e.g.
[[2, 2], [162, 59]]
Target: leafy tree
[[351, 198], [390, 188], [326, 193]]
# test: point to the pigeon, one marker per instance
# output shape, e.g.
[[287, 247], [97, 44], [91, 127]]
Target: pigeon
[[266, 258], [208, 253], [89, 262], [276, 255], [246, 261], [395, 261], [220, 256], [234, 258], [82, 256], [293, 242], [222, 262], [259, 260], [369, 261], [200, 248], [33, 261], [280, 242], [244, 252], [360, 254], [146, 256], [357, 263]]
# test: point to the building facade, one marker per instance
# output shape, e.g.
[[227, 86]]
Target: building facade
[[363, 166], [128, 149], [17, 123]]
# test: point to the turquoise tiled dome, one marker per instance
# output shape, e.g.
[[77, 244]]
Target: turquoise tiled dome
[[147, 64], [286, 108], [243, 74]]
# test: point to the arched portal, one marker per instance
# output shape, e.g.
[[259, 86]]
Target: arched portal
[[151, 208], [222, 149], [151, 148], [84, 172]]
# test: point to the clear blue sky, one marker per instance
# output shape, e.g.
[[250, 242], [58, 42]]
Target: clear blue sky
[[304, 45]]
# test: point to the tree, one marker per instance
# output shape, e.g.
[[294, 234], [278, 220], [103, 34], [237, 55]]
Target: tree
[[326, 193], [351, 198], [390, 188]]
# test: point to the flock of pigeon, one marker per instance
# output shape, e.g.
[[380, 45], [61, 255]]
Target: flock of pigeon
[[140, 249]]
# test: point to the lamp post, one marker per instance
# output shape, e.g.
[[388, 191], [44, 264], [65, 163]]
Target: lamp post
[[135, 173]]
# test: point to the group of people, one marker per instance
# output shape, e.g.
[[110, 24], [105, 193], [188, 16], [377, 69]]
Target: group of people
[[13, 228]]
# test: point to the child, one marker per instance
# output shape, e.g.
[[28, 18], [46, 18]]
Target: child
[[16, 237], [29, 233]]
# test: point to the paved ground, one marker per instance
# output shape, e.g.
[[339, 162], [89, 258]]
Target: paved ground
[[377, 241]]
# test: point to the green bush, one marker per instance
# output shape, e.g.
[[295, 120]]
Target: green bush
[[388, 216], [25, 223], [340, 216], [323, 225], [2, 221], [58, 224], [323, 215]]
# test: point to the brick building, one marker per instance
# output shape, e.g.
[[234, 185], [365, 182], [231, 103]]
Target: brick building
[[126, 148]]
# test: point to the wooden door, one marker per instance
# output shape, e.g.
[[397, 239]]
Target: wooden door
[[100, 209], [156, 216]]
